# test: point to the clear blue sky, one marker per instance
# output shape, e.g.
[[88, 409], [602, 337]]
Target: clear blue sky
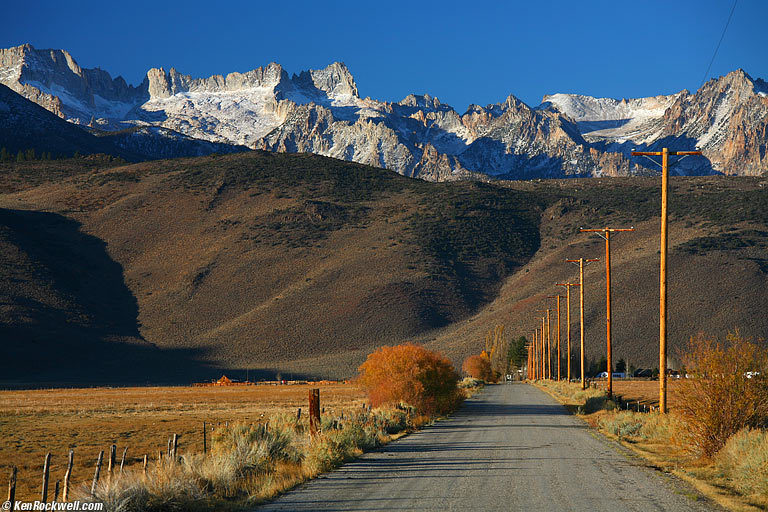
[[461, 52]]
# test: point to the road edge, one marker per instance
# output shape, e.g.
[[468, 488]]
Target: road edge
[[692, 488]]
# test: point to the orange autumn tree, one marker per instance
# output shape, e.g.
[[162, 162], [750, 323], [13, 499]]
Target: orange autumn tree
[[479, 367], [411, 374]]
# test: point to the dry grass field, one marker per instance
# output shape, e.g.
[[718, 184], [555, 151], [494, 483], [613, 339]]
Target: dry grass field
[[644, 391], [33, 423]]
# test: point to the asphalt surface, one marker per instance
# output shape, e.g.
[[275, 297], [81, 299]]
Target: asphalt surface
[[511, 447]]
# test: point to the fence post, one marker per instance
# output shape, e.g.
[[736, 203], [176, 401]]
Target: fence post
[[205, 441], [112, 457], [12, 488], [96, 474], [46, 472], [175, 446], [314, 411], [68, 475], [122, 460], [56, 490], [145, 464], [298, 415]]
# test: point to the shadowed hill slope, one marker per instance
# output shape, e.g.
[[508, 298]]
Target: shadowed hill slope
[[304, 264], [258, 259], [25, 125]]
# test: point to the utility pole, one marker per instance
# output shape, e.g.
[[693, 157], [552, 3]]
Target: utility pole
[[536, 359], [665, 154], [558, 297], [568, 323], [605, 233], [528, 366], [535, 350], [581, 261], [548, 345], [543, 352], [549, 348]]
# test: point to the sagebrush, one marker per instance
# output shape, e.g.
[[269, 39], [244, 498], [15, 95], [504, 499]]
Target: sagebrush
[[248, 463], [744, 460]]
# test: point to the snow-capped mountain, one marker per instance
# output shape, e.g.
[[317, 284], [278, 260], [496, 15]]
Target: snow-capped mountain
[[727, 119], [320, 111]]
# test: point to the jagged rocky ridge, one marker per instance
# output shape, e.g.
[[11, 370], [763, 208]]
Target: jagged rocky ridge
[[320, 111]]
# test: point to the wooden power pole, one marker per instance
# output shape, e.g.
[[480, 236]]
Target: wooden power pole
[[547, 344], [605, 233], [536, 354], [581, 262], [558, 297], [568, 325], [543, 350], [665, 154]]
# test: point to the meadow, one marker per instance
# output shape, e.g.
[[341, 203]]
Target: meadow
[[87, 420]]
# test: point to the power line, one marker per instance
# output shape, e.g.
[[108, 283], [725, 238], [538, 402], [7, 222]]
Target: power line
[[706, 73]]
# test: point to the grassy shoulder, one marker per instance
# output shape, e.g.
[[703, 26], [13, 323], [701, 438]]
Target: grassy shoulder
[[736, 477], [251, 463]]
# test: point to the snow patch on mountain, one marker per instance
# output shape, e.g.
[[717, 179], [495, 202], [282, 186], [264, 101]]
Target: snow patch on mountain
[[612, 120], [78, 112], [714, 135]]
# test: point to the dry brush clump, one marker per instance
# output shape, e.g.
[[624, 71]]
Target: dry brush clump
[[727, 390], [411, 374], [744, 461], [636, 426], [470, 384], [478, 367]]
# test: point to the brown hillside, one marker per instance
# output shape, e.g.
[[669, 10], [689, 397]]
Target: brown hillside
[[178, 270], [717, 266], [247, 261]]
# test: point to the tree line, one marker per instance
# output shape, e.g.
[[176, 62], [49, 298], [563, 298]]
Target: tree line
[[29, 155]]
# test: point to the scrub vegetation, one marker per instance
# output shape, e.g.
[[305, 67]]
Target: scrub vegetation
[[715, 433]]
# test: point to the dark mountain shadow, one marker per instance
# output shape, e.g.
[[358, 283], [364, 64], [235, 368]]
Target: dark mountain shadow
[[500, 164], [67, 317], [689, 166]]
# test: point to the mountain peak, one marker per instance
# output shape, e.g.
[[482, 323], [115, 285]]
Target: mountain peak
[[335, 80], [421, 101]]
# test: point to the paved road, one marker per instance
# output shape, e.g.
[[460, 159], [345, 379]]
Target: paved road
[[511, 447]]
